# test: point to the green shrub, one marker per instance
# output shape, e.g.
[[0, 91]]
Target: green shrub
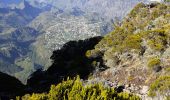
[[136, 9], [154, 61], [75, 90], [156, 46], [166, 0], [157, 39], [133, 42], [88, 53], [160, 86], [139, 20]]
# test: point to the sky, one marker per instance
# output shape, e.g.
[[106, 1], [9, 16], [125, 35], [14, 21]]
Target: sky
[[10, 1]]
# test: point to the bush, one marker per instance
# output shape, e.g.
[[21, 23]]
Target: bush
[[166, 0], [133, 42], [160, 86], [136, 9], [153, 62], [75, 90], [157, 39]]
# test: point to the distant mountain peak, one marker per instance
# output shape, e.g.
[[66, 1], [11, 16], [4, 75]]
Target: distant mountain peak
[[24, 4], [156, 0]]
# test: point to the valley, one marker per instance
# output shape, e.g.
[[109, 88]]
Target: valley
[[84, 50]]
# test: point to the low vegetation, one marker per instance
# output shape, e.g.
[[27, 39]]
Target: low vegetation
[[76, 90], [142, 25], [146, 30], [153, 62], [161, 86]]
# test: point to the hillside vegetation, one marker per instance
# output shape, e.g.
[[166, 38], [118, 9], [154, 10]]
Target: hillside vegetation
[[138, 50], [75, 90]]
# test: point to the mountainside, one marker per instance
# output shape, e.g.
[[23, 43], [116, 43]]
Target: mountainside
[[132, 62], [15, 47], [16, 55], [31, 30], [139, 64], [141, 60], [60, 28], [57, 27], [12, 19]]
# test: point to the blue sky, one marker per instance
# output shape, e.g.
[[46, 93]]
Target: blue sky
[[17, 1], [10, 1]]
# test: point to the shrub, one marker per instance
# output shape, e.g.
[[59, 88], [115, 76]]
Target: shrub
[[75, 90], [133, 42], [136, 9], [157, 39], [155, 46], [160, 86], [166, 0], [88, 53], [154, 62]]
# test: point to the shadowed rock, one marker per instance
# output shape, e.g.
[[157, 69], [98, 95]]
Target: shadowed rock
[[10, 87]]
